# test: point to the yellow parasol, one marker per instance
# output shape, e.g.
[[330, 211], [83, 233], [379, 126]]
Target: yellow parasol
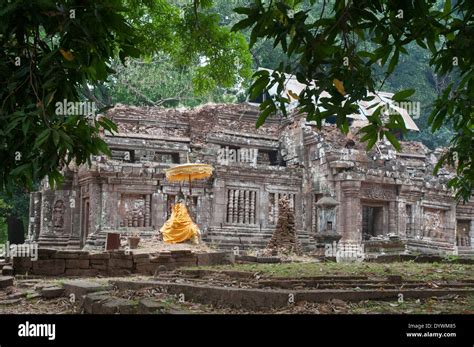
[[189, 172]]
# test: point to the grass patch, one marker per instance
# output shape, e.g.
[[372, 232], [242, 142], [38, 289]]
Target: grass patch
[[409, 270]]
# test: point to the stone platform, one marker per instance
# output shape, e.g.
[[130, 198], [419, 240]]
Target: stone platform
[[74, 263]]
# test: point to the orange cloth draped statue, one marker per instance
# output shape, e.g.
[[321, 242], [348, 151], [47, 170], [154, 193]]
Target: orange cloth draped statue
[[180, 227]]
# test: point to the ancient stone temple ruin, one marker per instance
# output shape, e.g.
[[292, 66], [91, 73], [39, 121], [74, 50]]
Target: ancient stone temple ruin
[[382, 199]]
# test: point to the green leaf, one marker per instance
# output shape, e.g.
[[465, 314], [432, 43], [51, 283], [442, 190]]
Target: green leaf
[[393, 140], [55, 137], [371, 143], [42, 137], [393, 61], [20, 169], [259, 86], [264, 115], [402, 95], [447, 7]]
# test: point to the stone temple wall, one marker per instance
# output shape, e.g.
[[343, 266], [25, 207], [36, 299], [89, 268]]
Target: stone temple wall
[[338, 191], [52, 262]]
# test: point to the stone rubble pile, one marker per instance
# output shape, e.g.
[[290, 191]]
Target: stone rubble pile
[[284, 239]]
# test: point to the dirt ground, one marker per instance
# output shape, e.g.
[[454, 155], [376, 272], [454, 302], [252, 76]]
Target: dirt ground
[[24, 297]]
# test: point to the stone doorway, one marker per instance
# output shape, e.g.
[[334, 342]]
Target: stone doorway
[[372, 221], [463, 237]]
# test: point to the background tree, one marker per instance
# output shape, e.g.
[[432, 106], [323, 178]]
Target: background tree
[[56, 50], [14, 205]]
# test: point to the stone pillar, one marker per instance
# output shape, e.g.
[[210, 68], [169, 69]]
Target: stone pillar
[[241, 206], [95, 206], [471, 233], [147, 210], [205, 209], [158, 210], [75, 208], [417, 219], [34, 224], [450, 225], [220, 203], [298, 209], [262, 206], [402, 218], [351, 212], [247, 207], [109, 216], [393, 213], [253, 195], [47, 202]]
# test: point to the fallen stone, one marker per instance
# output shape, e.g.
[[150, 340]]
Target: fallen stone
[[149, 305], [52, 292], [268, 260], [21, 264], [81, 287], [6, 281], [10, 302], [93, 301], [17, 295], [32, 295], [119, 305], [7, 270]]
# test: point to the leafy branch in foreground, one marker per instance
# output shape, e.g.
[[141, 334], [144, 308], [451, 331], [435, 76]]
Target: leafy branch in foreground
[[337, 52], [54, 50]]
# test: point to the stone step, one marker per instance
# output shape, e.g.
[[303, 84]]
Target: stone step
[[265, 232], [6, 281], [7, 270], [245, 243]]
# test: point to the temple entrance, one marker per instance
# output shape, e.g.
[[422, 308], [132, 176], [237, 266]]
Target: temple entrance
[[372, 221], [463, 238]]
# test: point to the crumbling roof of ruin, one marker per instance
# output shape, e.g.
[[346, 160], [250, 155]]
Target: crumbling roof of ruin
[[231, 119], [329, 133], [194, 123], [121, 112], [240, 110], [414, 147]]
